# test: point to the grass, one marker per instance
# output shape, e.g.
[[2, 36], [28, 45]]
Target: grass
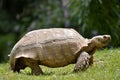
[[106, 67]]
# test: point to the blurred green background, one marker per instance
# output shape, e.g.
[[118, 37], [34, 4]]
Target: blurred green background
[[88, 17]]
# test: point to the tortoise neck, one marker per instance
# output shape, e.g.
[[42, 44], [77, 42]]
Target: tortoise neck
[[91, 48]]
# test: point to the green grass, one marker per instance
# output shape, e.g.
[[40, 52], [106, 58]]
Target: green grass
[[106, 67]]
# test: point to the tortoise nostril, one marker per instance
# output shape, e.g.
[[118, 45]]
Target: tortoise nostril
[[109, 38]]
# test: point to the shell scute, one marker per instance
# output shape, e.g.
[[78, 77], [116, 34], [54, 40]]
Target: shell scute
[[52, 47]]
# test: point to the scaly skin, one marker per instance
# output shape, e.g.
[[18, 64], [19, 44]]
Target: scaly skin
[[86, 58], [56, 47]]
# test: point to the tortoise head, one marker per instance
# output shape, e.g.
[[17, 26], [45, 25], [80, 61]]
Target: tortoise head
[[101, 40]]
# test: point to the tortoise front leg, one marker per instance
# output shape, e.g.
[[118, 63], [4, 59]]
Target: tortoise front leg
[[91, 60], [82, 62]]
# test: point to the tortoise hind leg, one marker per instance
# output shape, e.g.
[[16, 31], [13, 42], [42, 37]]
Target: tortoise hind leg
[[36, 70], [33, 64], [19, 64], [82, 62]]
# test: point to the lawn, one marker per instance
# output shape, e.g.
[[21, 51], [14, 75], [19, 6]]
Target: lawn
[[106, 67]]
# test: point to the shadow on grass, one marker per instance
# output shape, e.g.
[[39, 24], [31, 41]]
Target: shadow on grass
[[46, 73]]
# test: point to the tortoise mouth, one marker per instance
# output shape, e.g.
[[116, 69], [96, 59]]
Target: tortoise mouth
[[106, 42]]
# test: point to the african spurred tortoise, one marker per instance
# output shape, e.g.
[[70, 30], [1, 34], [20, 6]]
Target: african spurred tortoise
[[55, 47]]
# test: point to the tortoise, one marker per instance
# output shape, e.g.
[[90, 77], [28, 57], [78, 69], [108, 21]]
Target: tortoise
[[55, 47]]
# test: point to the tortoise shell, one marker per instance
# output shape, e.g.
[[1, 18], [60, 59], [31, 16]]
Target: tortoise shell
[[55, 47]]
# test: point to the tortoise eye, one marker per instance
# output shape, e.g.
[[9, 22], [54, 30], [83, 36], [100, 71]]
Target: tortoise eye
[[104, 37]]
